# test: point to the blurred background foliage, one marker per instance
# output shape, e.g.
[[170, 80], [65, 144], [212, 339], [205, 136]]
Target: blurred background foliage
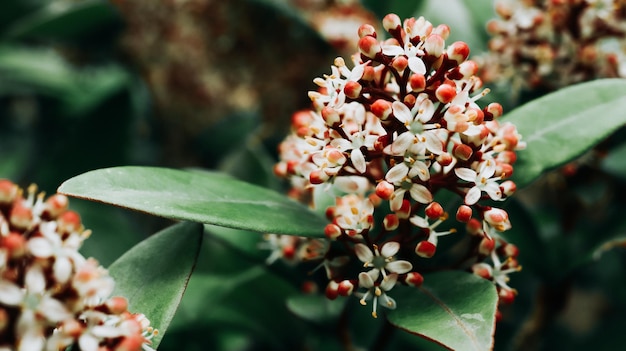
[[212, 84]]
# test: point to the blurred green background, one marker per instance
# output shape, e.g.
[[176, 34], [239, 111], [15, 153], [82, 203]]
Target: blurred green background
[[212, 84]]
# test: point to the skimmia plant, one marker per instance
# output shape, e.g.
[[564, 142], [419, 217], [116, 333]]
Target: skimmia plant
[[386, 136], [397, 173]]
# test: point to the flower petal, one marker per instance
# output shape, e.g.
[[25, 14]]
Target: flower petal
[[389, 282], [365, 281], [358, 160], [40, 247], [421, 194], [390, 248], [363, 253], [399, 266], [402, 112], [466, 174], [35, 281], [392, 50], [419, 221], [472, 196], [417, 65], [397, 173], [10, 294]]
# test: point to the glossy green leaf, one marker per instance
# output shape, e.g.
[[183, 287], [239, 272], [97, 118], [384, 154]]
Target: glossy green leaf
[[45, 72], [231, 294], [206, 197], [560, 126], [453, 308], [153, 275], [615, 162], [63, 19]]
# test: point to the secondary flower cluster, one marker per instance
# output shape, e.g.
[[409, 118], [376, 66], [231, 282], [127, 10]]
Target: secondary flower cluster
[[386, 146], [51, 297], [550, 44]]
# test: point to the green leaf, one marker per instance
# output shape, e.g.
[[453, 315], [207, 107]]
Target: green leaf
[[154, 274], [63, 19], [615, 162], [561, 126], [315, 308], [231, 294], [206, 197], [45, 72], [455, 309]]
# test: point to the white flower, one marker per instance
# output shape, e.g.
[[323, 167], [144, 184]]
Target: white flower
[[382, 260], [65, 252], [377, 292], [419, 137], [482, 180]]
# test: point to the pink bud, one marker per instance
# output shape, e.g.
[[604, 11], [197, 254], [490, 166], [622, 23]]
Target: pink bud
[[434, 45], [494, 110], [345, 288], [352, 89], [462, 151], [508, 187], [391, 22], [400, 63], [367, 30], [417, 82], [381, 109], [318, 177], [391, 222], [458, 51], [474, 227], [414, 279], [486, 246], [330, 116], [405, 209], [434, 210], [464, 214], [425, 249], [332, 231], [384, 190], [444, 159], [497, 218], [482, 270], [445, 93], [506, 296], [332, 290], [369, 46], [8, 191]]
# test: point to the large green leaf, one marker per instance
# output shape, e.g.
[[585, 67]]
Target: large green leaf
[[453, 308], [560, 126], [205, 197], [229, 294], [153, 275], [63, 19], [46, 72]]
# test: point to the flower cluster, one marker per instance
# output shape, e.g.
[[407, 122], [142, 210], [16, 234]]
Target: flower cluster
[[51, 297], [391, 141], [550, 44]]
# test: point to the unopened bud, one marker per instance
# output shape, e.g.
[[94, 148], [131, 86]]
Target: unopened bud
[[464, 214], [366, 30], [391, 222], [332, 231], [445, 93], [382, 109], [391, 22], [425, 249], [369, 46], [434, 210], [414, 279]]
